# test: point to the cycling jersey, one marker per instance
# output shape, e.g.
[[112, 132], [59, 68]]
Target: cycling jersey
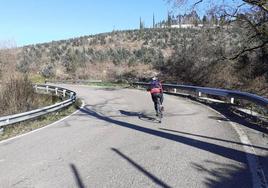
[[156, 87]]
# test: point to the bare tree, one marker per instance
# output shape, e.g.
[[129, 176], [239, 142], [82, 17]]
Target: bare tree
[[259, 3], [251, 14]]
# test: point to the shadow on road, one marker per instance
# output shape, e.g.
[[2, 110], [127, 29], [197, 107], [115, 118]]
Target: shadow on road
[[212, 138], [139, 115], [210, 147], [78, 179], [245, 120], [138, 167], [226, 110], [142, 115], [230, 153], [222, 175]]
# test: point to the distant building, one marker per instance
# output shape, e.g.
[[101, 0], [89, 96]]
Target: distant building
[[187, 26]]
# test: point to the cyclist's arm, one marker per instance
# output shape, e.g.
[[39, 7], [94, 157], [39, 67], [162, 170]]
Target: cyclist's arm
[[149, 87]]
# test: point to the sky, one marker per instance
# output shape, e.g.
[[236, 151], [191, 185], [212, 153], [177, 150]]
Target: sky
[[35, 21], [24, 22]]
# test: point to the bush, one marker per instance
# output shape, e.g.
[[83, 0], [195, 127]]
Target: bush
[[16, 95], [48, 71]]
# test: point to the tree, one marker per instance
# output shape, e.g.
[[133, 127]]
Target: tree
[[222, 20], [254, 19], [153, 21], [141, 24], [204, 20], [169, 20]]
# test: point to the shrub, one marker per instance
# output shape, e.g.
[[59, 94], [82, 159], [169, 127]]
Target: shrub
[[16, 95]]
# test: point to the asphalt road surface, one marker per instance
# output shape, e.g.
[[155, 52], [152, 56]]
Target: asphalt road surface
[[115, 141]]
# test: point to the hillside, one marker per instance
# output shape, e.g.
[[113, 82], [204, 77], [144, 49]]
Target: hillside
[[197, 56]]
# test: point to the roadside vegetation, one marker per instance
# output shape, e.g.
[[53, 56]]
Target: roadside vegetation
[[17, 95], [196, 56], [27, 126]]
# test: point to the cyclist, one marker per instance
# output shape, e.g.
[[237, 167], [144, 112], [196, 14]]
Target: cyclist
[[156, 91]]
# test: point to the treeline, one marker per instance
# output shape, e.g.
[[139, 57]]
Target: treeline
[[204, 57], [193, 19], [119, 48]]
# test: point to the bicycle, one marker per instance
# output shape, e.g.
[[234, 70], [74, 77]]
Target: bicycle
[[159, 110]]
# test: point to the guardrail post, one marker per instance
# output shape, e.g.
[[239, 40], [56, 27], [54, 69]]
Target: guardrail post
[[47, 89], [35, 87], [175, 90], [232, 100], [71, 95], [64, 93], [56, 91], [199, 94]]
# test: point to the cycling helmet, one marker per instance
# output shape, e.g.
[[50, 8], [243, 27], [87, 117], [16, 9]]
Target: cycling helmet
[[154, 78]]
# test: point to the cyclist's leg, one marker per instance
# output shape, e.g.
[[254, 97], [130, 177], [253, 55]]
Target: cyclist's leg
[[161, 98], [161, 101], [158, 101], [159, 106], [154, 98]]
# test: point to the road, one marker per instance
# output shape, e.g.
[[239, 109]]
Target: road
[[114, 141]]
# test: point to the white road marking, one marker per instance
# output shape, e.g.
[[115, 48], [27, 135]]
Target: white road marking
[[253, 162], [258, 176], [39, 129]]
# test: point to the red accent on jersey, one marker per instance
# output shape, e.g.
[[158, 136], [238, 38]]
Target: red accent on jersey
[[155, 90]]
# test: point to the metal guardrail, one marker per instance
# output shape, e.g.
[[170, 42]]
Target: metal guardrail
[[71, 97], [230, 94], [77, 81]]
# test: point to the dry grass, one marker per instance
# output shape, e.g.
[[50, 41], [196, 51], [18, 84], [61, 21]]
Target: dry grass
[[27, 126], [108, 71], [17, 95]]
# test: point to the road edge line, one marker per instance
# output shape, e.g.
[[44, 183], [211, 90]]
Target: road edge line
[[256, 170], [41, 128]]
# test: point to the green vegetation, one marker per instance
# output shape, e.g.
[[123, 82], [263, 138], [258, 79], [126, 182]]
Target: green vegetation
[[198, 56], [37, 79], [109, 84]]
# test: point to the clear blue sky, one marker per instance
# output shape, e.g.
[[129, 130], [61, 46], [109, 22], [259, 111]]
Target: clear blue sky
[[37, 21]]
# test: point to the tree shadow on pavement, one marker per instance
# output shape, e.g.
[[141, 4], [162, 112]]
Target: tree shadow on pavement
[[246, 120], [230, 153], [225, 109], [141, 169], [219, 175], [212, 138], [77, 177]]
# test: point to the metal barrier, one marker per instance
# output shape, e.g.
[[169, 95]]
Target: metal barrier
[[230, 94], [65, 93], [77, 81]]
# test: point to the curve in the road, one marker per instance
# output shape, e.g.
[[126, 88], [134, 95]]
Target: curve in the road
[[114, 141]]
